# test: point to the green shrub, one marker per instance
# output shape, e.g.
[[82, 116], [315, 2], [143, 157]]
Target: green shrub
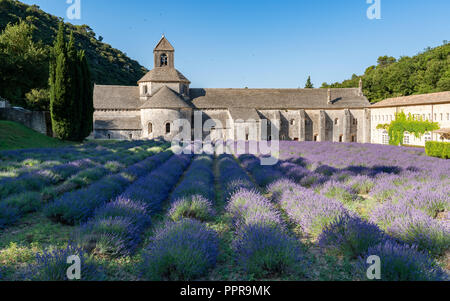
[[438, 149]]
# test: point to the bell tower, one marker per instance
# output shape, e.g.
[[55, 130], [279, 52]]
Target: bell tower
[[164, 54]]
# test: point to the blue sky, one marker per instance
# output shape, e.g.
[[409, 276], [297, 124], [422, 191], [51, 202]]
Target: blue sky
[[261, 43]]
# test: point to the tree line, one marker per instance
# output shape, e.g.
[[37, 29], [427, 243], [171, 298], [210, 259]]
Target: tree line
[[426, 72]]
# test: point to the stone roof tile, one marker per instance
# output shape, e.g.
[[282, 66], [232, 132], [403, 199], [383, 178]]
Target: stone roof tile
[[277, 98], [422, 99], [118, 123], [164, 75], [116, 97], [165, 98]]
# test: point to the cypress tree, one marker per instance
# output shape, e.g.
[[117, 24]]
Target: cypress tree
[[59, 94], [309, 84], [88, 103], [75, 89]]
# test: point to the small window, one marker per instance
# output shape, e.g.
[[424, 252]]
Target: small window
[[150, 128], [269, 138], [145, 89], [428, 137], [164, 59], [292, 122], [442, 117], [131, 136], [109, 136], [316, 137], [406, 140], [246, 137], [448, 116], [385, 138], [341, 138], [168, 128], [353, 138], [336, 121], [355, 121]]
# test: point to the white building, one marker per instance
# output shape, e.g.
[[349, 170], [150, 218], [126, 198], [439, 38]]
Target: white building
[[434, 107]]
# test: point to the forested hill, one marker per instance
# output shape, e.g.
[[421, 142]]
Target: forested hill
[[108, 65], [427, 72]]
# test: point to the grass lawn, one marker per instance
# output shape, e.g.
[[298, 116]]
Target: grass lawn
[[17, 136]]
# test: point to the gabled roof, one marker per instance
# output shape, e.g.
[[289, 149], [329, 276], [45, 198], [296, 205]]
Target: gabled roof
[[164, 75], [431, 98], [244, 114], [261, 99], [164, 45], [165, 98], [118, 123], [116, 97]]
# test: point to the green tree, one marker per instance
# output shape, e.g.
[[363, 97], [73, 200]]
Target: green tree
[[384, 61], [60, 94], [87, 98], [23, 63], [38, 99], [309, 84], [75, 87]]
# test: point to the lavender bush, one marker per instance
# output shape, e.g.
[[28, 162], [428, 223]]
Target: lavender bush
[[263, 250], [52, 266], [232, 177], [195, 207], [350, 236], [400, 262], [183, 250], [311, 211], [110, 236], [250, 207]]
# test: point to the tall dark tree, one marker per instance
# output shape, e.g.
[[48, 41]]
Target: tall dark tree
[[60, 94], [75, 86], [309, 84], [87, 98]]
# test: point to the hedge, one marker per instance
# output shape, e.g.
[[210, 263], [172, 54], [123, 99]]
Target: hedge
[[438, 149]]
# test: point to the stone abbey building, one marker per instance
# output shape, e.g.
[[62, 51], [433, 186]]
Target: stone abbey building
[[163, 96]]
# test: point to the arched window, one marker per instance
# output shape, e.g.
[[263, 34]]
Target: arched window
[[145, 89], [341, 138], [316, 137], [163, 59], [150, 128], [168, 128], [292, 122], [336, 121]]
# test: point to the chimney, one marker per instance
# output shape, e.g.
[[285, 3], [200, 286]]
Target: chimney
[[360, 91], [329, 97]]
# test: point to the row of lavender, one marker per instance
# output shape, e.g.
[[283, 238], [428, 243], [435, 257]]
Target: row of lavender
[[262, 245], [78, 206], [53, 169], [116, 228], [183, 248], [29, 193], [345, 233], [13, 167]]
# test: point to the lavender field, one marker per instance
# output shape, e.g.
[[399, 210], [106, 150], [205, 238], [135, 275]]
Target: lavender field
[[138, 211]]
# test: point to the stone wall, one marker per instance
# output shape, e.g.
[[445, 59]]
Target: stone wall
[[38, 121], [118, 134]]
